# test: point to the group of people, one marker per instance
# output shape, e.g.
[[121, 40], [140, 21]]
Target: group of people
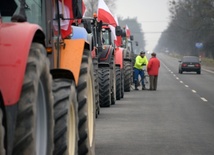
[[152, 66]]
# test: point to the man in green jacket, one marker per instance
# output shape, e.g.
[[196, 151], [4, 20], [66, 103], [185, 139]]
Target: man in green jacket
[[140, 61]]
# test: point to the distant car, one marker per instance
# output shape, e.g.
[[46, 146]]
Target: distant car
[[190, 64]]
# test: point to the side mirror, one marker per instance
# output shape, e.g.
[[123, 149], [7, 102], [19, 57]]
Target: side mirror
[[118, 31]]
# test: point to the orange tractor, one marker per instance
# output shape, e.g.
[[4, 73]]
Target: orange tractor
[[47, 103]]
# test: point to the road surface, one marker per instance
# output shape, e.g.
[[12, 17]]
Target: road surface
[[177, 119]]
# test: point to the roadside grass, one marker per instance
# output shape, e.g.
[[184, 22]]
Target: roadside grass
[[207, 62]]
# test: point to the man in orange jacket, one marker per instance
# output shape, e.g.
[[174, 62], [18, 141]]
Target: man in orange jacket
[[152, 69]]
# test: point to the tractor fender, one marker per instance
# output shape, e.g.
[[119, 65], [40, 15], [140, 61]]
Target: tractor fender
[[127, 54], [119, 56], [71, 56], [15, 42], [106, 54]]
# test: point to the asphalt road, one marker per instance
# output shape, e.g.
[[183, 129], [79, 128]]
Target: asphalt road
[[177, 119]]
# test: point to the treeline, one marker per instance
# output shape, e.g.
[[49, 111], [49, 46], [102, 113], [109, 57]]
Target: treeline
[[192, 24], [136, 30]]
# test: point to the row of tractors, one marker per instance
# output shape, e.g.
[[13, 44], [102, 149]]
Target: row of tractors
[[53, 83]]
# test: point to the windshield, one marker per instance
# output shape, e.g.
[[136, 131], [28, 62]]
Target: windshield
[[32, 9], [190, 59], [105, 36]]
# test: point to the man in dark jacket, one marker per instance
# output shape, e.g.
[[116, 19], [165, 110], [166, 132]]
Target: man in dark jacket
[[152, 69]]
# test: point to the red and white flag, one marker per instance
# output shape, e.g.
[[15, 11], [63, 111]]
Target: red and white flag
[[128, 32], [104, 14], [65, 25], [118, 39]]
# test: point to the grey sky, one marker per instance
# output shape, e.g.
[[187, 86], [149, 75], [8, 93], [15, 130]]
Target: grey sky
[[152, 14]]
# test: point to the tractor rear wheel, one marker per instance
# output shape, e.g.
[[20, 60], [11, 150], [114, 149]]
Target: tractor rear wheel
[[2, 134], [127, 76], [113, 81], [66, 117], [96, 85], [86, 107], [34, 121], [122, 83], [118, 83], [104, 86]]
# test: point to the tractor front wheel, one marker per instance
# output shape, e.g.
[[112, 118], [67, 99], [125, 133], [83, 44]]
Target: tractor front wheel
[[87, 106], [66, 117], [34, 122]]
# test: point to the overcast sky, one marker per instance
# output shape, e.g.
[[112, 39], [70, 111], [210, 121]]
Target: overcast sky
[[152, 14]]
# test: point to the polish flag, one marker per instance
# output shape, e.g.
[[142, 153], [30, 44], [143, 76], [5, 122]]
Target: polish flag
[[118, 40], [104, 14], [113, 34], [65, 25], [128, 32]]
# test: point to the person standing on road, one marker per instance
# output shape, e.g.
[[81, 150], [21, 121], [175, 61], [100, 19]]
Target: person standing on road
[[140, 61], [153, 69]]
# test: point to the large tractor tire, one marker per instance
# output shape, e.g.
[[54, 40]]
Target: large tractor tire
[[122, 83], [127, 76], [118, 83], [66, 117], [34, 121], [2, 134], [104, 86], [96, 85], [87, 106], [113, 81]]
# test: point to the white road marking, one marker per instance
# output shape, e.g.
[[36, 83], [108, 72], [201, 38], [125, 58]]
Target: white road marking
[[203, 99], [193, 91]]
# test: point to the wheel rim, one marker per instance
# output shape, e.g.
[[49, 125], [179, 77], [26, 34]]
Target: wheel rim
[[90, 110], [72, 129], [41, 122]]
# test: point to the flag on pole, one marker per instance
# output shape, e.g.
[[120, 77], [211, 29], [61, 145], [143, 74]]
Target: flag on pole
[[65, 25], [104, 14], [118, 39], [128, 32]]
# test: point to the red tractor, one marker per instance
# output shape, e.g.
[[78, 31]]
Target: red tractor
[[103, 49], [128, 56], [47, 103]]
